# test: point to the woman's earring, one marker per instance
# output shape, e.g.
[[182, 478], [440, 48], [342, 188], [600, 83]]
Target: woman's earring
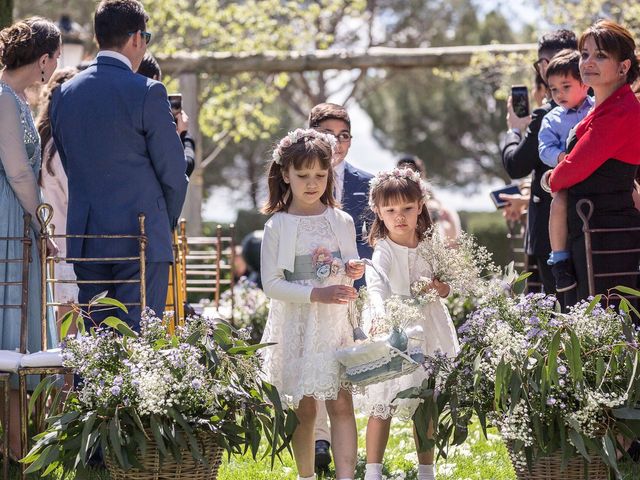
[[42, 72]]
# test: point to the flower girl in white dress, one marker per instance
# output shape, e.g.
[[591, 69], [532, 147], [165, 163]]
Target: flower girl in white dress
[[309, 259], [398, 199]]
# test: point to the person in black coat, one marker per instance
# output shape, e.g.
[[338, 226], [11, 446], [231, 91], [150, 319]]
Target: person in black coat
[[520, 159]]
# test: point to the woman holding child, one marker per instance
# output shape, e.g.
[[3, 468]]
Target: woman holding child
[[603, 154]]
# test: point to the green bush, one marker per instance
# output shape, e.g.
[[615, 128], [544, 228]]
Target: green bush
[[490, 230]]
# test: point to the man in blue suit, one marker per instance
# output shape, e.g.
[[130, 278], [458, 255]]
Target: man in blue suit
[[119, 147], [351, 189], [351, 184]]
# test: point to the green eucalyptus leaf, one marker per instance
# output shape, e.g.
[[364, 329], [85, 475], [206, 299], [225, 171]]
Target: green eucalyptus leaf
[[120, 326], [111, 302], [65, 324]]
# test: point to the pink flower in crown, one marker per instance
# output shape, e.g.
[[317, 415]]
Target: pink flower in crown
[[321, 256], [286, 142]]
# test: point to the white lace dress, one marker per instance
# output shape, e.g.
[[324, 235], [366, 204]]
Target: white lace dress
[[439, 332], [303, 361]]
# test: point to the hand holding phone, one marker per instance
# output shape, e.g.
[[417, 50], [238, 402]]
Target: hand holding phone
[[508, 190], [175, 100], [520, 100]]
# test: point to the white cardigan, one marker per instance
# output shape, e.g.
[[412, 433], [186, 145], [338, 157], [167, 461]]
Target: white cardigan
[[279, 250]]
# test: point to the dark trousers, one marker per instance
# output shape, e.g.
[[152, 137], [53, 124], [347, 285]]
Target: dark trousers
[[157, 280], [544, 273]]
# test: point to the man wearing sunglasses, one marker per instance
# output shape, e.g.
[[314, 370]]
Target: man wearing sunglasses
[[118, 144], [520, 158]]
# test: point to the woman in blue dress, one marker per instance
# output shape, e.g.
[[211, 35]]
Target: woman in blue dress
[[29, 52]]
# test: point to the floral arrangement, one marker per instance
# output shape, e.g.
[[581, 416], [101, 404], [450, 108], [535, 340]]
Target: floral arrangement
[[399, 314], [550, 381], [137, 386], [298, 134], [250, 307], [463, 268], [407, 173]]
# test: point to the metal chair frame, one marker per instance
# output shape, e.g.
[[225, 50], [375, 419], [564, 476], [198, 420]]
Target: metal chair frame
[[23, 283], [203, 257], [47, 262], [177, 292], [585, 211]]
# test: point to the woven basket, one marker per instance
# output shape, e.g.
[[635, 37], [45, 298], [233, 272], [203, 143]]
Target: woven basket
[[550, 468], [169, 469]]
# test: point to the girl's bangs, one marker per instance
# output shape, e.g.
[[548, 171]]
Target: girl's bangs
[[398, 191], [310, 161]]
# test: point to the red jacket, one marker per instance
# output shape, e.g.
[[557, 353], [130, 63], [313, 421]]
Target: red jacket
[[611, 130]]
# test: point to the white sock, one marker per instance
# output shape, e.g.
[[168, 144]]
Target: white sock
[[426, 472], [312, 477], [373, 471]]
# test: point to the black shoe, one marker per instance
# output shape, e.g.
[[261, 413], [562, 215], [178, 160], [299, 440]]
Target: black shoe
[[323, 455], [564, 277]]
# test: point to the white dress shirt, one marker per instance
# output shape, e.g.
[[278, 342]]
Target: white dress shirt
[[116, 55]]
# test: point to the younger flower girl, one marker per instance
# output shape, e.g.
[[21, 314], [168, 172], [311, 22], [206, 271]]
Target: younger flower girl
[[398, 200]]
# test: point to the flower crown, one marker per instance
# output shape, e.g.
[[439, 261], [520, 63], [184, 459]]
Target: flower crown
[[406, 173], [296, 135]]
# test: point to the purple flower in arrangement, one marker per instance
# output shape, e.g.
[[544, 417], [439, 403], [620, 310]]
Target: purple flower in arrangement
[[532, 333], [115, 390], [534, 320], [562, 369], [196, 383], [551, 401]]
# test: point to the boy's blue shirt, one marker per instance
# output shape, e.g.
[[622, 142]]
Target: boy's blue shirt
[[555, 129]]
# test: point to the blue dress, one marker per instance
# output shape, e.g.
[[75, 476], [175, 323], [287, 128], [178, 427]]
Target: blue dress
[[20, 162]]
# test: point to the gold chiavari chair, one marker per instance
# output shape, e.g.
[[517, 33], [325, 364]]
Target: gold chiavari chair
[[176, 293], [209, 264], [49, 361], [10, 359]]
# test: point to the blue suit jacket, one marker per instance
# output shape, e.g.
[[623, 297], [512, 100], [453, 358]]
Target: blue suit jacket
[[355, 201], [119, 147]]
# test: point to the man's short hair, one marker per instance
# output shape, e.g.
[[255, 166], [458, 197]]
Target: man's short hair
[[558, 40], [115, 20], [566, 63], [149, 67], [328, 111]]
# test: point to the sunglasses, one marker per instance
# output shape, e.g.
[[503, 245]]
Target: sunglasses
[[145, 35], [538, 63]]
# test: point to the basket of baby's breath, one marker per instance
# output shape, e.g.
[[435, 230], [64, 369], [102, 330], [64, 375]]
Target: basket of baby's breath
[[394, 350], [160, 405], [561, 388]]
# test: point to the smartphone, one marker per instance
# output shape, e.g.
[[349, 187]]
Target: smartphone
[[175, 100], [509, 190], [520, 100]]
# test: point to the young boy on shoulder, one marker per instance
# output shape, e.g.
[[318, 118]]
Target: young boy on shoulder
[[568, 91]]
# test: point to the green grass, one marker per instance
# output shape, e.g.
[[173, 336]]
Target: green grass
[[477, 459]]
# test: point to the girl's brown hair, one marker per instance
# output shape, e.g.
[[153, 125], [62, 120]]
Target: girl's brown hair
[[304, 153], [43, 123], [25, 42], [615, 40], [397, 189]]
